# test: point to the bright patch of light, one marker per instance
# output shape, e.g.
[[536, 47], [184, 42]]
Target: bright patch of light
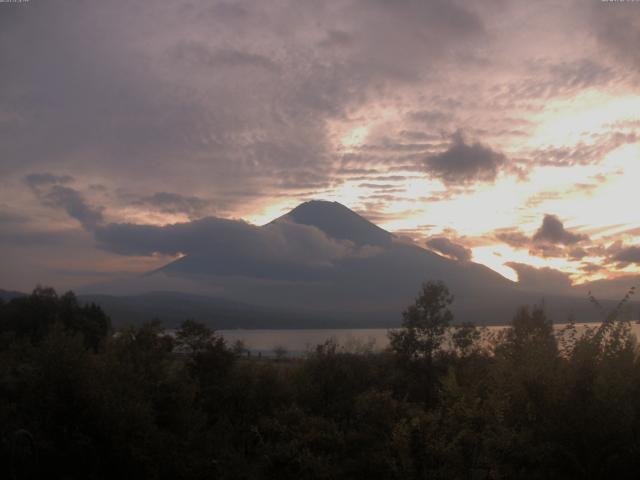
[[566, 122], [146, 217], [270, 212], [613, 203], [354, 138], [496, 256]]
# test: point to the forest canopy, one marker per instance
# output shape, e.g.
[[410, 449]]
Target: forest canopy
[[80, 400]]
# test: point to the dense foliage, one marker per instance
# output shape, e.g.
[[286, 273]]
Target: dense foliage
[[80, 401]]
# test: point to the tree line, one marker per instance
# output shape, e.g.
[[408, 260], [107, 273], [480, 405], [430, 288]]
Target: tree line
[[80, 400]]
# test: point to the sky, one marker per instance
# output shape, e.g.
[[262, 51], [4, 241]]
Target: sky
[[502, 132]]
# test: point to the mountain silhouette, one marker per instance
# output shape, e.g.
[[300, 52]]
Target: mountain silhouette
[[323, 264], [339, 222], [373, 282]]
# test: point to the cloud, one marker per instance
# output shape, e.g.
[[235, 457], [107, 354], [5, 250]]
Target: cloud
[[589, 153], [551, 239], [583, 73], [591, 267], [175, 203], [198, 54], [629, 254], [431, 116], [464, 163], [541, 279], [75, 205], [449, 249], [35, 180], [513, 237], [617, 28], [8, 216], [229, 240], [552, 231], [578, 253], [241, 92], [50, 191], [242, 104], [337, 39], [551, 79]]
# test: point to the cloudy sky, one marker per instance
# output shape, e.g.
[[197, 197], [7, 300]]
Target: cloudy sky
[[505, 132]]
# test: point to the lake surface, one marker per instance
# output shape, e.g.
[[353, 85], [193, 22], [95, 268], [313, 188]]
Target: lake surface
[[297, 342]]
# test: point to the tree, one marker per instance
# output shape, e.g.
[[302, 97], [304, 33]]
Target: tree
[[239, 348], [34, 316], [466, 339], [424, 323], [531, 334], [89, 320], [279, 352], [194, 337]]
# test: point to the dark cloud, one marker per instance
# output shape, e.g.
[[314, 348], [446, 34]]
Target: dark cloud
[[629, 254], [238, 91], [541, 279], [552, 231], [449, 249], [513, 237], [578, 253], [431, 117], [419, 135], [283, 242], [591, 267], [74, 203], [348, 171], [337, 39], [464, 163], [199, 54], [229, 11], [617, 26], [52, 192], [550, 240], [390, 146], [35, 180], [175, 203], [547, 250]]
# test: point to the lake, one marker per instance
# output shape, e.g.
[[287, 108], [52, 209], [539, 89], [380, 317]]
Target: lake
[[297, 342]]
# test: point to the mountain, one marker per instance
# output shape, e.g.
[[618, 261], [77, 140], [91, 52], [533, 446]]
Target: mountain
[[321, 264], [374, 277], [7, 295], [339, 222], [219, 313]]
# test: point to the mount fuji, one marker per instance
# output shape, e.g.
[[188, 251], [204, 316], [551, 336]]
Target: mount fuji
[[321, 264]]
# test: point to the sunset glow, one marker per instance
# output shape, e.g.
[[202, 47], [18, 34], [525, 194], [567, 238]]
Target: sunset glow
[[206, 110]]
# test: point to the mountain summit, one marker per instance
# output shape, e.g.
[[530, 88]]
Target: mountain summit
[[339, 222]]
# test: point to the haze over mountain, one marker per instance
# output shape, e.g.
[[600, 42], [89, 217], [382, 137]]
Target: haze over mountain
[[323, 262]]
